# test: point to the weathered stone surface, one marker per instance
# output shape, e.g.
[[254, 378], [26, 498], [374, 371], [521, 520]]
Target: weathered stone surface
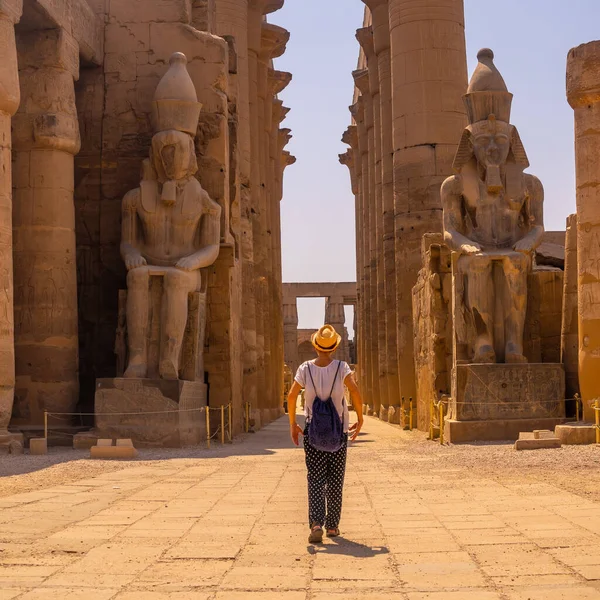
[[175, 415], [552, 255], [38, 446], [574, 434], [537, 444], [457, 432], [112, 452], [503, 391]]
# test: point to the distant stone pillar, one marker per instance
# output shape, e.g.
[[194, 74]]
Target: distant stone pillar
[[363, 114], [382, 49], [336, 317], [569, 346], [429, 78], [10, 13], [290, 334], [361, 79], [365, 39], [46, 139], [583, 93]]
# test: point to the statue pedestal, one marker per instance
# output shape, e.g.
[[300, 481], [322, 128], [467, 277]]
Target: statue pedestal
[[497, 401], [159, 410]]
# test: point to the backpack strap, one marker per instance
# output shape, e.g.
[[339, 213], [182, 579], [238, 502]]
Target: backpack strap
[[334, 379], [311, 378]]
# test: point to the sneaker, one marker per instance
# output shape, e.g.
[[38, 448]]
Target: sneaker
[[316, 535]]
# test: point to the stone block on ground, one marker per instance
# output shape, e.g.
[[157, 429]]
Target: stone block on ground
[[113, 452], [572, 434], [543, 434], [527, 435], [394, 414], [537, 444], [38, 446], [104, 442], [125, 443]]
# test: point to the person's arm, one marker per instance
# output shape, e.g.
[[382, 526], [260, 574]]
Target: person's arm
[[357, 403], [295, 429]]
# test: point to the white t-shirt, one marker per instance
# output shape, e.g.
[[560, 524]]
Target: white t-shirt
[[323, 378]]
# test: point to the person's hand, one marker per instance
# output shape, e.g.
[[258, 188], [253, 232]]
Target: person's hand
[[470, 249], [134, 261], [295, 431], [355, 429], [186, 264], [524, 246]]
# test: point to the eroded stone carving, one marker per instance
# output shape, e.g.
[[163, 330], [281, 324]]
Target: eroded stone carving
[[493, 221], [171, 227]]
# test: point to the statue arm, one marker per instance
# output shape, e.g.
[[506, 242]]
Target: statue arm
[[534, 214], [130, 254], [453, 221], [209, 235]]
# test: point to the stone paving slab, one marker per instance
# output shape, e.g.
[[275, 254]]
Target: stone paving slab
[[231, 525]]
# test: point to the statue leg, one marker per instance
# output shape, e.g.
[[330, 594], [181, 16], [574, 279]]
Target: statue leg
[[479, 299], [516, 269], [137, 321], [177, 287]]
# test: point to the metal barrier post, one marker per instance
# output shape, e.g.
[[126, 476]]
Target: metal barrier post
[[46, 426], [441, 423], [431, 413], [230, 423], [577, 407], [223, 424], [410, 414], [207, 409]]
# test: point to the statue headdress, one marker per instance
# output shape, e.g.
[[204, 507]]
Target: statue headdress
[[176, 103], [487, 93]]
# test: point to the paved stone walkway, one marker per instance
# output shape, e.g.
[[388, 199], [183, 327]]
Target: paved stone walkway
[[233, 528]]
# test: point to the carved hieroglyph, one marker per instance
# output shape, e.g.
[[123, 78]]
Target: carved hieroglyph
[[171, 227], [493, 221]]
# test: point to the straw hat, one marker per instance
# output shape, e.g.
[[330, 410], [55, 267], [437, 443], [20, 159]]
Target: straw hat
[[326, 339]]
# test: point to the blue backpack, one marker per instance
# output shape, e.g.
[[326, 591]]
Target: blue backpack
[[325, 428]]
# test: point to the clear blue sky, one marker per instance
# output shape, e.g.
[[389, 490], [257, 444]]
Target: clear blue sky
[[530, 38]]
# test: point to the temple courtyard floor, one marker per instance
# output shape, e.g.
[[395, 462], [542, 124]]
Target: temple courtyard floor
[[420, 522]]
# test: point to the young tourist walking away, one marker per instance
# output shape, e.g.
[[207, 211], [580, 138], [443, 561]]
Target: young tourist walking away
[[327, 429]]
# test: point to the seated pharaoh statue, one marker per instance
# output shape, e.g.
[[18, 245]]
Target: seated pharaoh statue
[[170, 231], [493, 222]]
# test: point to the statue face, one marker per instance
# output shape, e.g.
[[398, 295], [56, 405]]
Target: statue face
[[173, 155], [491, 142]]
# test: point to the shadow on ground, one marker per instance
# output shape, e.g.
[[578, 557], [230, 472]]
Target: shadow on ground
[[342, 546]]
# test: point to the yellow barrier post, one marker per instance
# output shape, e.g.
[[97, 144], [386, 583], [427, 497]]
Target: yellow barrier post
[[223, 424], [431, 413], [441, 423], [597, 409], [207, 412], [230, 410], [46, 426], [410, 414]]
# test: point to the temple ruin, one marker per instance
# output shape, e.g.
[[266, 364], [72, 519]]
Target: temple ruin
[[493, 319], [87, 104]]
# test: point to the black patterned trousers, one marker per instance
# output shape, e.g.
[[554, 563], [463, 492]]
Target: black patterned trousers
[[326, 471]]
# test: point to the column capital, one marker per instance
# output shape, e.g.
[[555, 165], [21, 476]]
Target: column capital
[[266, 7], [279, 111], [350, 137], [284, 137], [374, 4], [583, 75], [361, 80], [357, 110], [278, 81], [364, 36], [287, 159], [273, 40]]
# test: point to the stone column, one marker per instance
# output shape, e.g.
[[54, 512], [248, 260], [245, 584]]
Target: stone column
[[583, 93], [381, 46], [429, 78], [366, 378], [365, 39], [336, 317], [46, 139], [232, 19], [10, 13], [569, 343], [290, 333]]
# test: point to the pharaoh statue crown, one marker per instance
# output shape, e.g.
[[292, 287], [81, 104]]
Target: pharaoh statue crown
[[487, 93], [175, 103]]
